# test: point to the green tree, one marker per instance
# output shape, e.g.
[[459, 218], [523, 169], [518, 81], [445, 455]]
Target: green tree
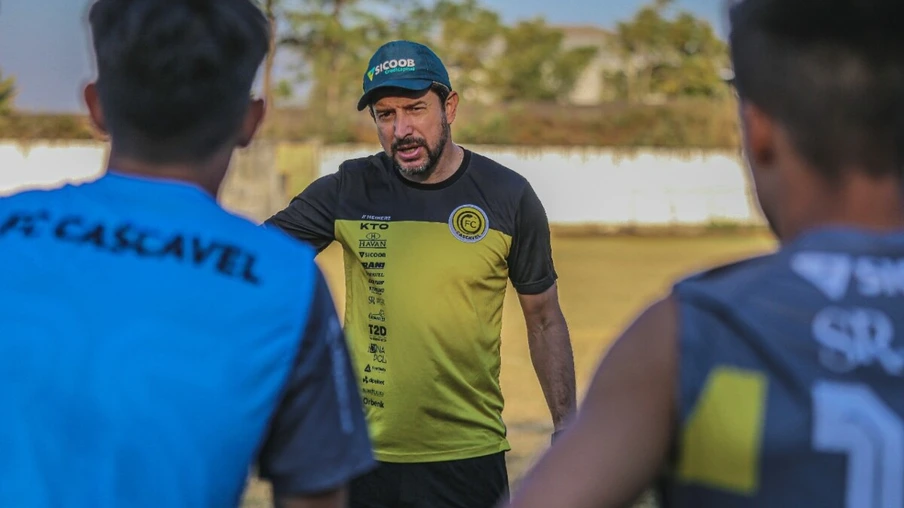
[[667, 55], [466, 30], [283, 90], [535, 66], [270, 7], [335, 39], [7, 94], [701, 55]]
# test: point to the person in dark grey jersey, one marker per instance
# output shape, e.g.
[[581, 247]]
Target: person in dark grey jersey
[[776, 381]]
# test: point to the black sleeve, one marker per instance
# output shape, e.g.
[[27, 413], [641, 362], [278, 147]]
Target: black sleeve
[[318, 439], [530, 260], [310, 216]]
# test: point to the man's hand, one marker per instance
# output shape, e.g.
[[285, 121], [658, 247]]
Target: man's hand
[[550, 352]]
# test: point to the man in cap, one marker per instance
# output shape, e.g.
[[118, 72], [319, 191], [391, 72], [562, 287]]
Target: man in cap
[[431, 232]]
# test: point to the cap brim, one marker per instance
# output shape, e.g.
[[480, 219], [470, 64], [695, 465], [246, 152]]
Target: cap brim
[[407, 84]]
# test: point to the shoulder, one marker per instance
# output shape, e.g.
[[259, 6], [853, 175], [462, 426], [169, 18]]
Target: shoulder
[[34, 197], [734, 290], [36, 205], [490, 172], [270, 241], [360, 166], [649, 344], [285, 268], [352, 174], [659, 319], [735, 278]]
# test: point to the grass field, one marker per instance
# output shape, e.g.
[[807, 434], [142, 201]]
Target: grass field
[[603, 283]]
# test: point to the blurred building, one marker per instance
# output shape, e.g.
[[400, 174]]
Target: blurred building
[[590, 88]]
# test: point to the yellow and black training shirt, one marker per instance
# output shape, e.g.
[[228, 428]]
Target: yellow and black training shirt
[[426, 268]]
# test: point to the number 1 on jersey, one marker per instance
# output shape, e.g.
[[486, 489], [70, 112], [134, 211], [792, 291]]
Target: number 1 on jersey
[[850, 418]]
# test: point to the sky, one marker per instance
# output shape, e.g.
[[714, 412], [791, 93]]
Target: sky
[[44, 43]]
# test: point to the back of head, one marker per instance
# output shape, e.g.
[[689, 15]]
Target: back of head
[[831, 72], [175, 76]]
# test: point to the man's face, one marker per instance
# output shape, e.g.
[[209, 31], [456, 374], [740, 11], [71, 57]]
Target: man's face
[[414, 129]]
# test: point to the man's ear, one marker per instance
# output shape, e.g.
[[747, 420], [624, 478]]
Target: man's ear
[[95, 110], [451, 106], [759, 131], [253, 120]]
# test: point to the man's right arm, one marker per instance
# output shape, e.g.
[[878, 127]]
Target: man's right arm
[[311, 216], [318, 439]]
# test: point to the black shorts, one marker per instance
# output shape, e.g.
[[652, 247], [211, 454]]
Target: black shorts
[[480, 482]]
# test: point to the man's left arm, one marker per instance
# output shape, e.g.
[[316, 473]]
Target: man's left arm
[[533, 275], [550, 352]]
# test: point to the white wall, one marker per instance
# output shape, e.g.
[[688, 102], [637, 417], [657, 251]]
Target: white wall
[[45, 165], [606, 186], [576, 185]]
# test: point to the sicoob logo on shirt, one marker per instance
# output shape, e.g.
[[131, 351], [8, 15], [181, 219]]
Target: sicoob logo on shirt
[[468, 223]]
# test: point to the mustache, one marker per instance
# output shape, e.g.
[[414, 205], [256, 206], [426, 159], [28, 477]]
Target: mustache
[[402, 144]]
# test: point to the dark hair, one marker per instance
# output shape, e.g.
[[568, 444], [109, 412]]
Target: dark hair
[[175, 76], [831, 72], [439, 89]]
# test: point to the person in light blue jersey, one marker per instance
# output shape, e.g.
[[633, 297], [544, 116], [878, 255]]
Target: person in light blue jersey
[[154, 348], [776, 381]]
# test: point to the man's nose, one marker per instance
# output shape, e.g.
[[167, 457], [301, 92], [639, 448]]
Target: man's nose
[[402, 127]]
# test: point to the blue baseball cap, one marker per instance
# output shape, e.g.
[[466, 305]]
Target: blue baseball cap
[[403, 64]]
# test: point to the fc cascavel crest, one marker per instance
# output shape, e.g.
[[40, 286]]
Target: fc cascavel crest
[[469, 223]]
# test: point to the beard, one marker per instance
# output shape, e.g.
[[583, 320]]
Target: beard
[[433, 153]]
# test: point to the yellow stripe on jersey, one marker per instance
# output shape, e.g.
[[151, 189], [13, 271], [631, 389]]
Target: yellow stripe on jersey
[[721, 439], [423, 320]]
